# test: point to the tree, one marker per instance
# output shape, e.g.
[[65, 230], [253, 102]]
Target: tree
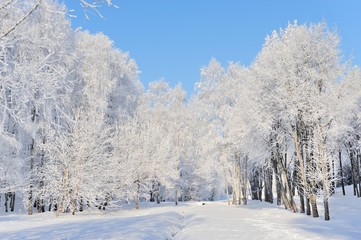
[[298, 69], [88, 140], [29, 7], [37, 67]]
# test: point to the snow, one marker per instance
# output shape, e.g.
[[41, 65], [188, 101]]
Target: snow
[[191, 220], [260, 221]]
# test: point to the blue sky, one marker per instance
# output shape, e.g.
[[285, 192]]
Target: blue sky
[[172, 39]]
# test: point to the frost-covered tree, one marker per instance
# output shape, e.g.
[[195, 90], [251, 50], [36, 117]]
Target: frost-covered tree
[[144, 151], [298, 69], [37, 65], [106, 90], [24, 10]]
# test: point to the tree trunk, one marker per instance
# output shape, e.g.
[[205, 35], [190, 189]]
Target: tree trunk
[[60, 202], [176, 197], [310, 161], [358, 160], [292, 204], [152, 192], [151, 198], [234, 195], [40, 200], [279, 187], [73, 206], [341, 173], [158, 193], [255, 185], [226, 186], [6, 201], [302, 200], [298, 181], [81, 205], [268, 182], [137, 194], [354, 173], [260, 185], [357, 170], [313, 200], [12, 202], [303, 185], [244, 181], [50, 204], [308, 207], [333, 182], [325, 193], [32, 159], [325, 172], [327, 211], [236, 183], [30, 191], [40, 205], [278, 180]]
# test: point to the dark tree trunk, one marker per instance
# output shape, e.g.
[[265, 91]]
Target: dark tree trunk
[[176, 197], [12, 202], [283, 181], [357, 169], [302, 200], [278, 179], [260, 185], [306, 161], [354, 173], [308, 207], [30, 191], [331, 171], [40, 200], [312, 183], [6, 201], [32, 159], [81, 204], [325, 201], [40, 205], [313, 199], [327, 211], [298, 181], [158, 193], [268, 182], [358, 159], [152, 192], [341, 173], [291, 202], [73, 206], [151, 199], [255, 185]]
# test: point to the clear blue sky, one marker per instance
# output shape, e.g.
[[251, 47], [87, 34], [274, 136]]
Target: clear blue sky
[[172, 39]]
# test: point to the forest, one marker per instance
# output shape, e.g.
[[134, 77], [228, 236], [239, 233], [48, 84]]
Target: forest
[[79, 130]]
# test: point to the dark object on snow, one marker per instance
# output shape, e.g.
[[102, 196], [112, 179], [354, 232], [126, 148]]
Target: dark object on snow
[[203, 204]]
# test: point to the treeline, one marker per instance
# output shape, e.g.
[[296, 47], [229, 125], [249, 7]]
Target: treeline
[[290, 120], [77, 128], [79, 131]]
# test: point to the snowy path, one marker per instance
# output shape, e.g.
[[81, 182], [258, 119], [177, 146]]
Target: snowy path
[[217, 220], [214, 220]]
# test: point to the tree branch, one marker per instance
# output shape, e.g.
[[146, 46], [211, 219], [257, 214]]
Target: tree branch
[[21, 20]]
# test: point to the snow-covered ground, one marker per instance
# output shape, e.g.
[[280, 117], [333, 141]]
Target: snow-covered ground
[[214, 220]]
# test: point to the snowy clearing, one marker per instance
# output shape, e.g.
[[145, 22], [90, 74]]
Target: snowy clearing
[[214, 220]]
